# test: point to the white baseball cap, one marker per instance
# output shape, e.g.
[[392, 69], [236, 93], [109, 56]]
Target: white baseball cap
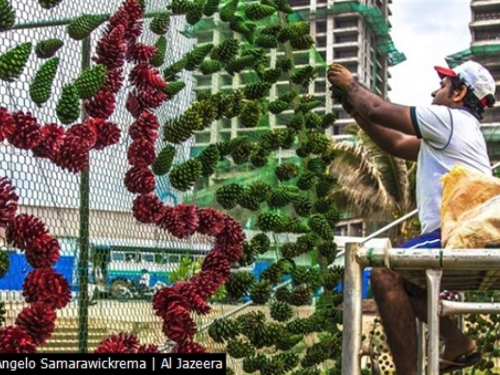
[[476, 77]]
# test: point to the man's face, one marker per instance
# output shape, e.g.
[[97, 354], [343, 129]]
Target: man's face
[[442, 96]]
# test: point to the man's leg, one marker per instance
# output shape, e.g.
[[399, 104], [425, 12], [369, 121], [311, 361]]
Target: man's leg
[[398, 318], [456, 343]]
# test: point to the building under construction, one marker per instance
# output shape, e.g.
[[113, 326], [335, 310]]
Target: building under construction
[[485, 49]]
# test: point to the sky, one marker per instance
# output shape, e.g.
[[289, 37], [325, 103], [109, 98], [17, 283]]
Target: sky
[[426, 31]]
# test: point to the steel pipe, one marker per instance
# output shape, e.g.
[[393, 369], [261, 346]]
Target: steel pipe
[[433, 288], [453, 307], [352, 317], [450, 259]]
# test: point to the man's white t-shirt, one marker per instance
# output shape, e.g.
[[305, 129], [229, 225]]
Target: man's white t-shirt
[[450, 136]]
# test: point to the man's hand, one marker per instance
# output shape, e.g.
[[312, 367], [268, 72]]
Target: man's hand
[[339, 76]]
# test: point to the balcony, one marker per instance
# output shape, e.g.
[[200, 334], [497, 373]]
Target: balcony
[[480, 4]]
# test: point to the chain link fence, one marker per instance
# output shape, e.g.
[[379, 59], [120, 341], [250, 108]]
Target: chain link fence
[[106, 254]]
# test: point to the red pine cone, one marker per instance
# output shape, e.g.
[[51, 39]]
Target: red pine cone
[[8, 202], [148, 349], [129, 340], [134, 31], [147, 208], [14, 340], [189, 348], [232, 234], [108, 134], [182, 221], [232, 252], [178, 325], [112, 49], [118, 18], [113, 347], [133, 105], [7, 124], [217, 261], [150, 97], [73, 155], [167, 299], [164, 220], [86, 132], [47, 286], [101, 105], [38, 321], [145, 76], [146, 126], [141, 153], [207, 283], [140, 52], [52, 137], [198, 304], [114, 81], [134, 10], [211, 221], [139, 180], [26, 134], [25, 231], [45, 253]]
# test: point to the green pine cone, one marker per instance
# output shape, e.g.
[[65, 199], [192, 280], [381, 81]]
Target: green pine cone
[[209, 158], [316, 166], [288, 96], [159, 57], [210, 7], [68, 106], [259, 190], [41, 87], [13, 62], [248, 201], [90, 81], [260, 292], [181, 6], [224, 329], [239, 284], [325, 185], [4, 263], [226, 51], [174, 88], [269, 222], [300, 296], [160, 23], [302, 206], [261, 243], [48, 48], [227, 12], [49, 4], [328, 120], [210, 66], [306, 181], [174, 132], [7, 16], [251, 114], [286, 171], [266, 41], [320, 226], [163, 161], [278, 106], [303, 42], [170, 72], [320, 143], [228, 195], [282, 294], [239, 349], [304, 75], [81, 27], [197, 55], [183, 176], [257, 11], [257, 90]]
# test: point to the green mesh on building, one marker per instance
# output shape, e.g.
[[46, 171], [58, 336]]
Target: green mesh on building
[[472, 53]]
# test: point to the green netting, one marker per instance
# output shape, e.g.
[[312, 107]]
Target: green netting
[[472, 53], [377, 22], [118, 126]]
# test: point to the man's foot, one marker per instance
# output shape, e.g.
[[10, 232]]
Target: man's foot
[[459, 363]]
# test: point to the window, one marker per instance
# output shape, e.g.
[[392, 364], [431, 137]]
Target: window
[[320, 41], [321, 27]]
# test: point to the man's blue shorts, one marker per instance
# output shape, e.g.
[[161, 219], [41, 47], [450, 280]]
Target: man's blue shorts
[[431, 240]]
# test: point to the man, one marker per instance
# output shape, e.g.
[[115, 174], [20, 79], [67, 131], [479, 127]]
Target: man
[[437, 136], [145, 279]]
